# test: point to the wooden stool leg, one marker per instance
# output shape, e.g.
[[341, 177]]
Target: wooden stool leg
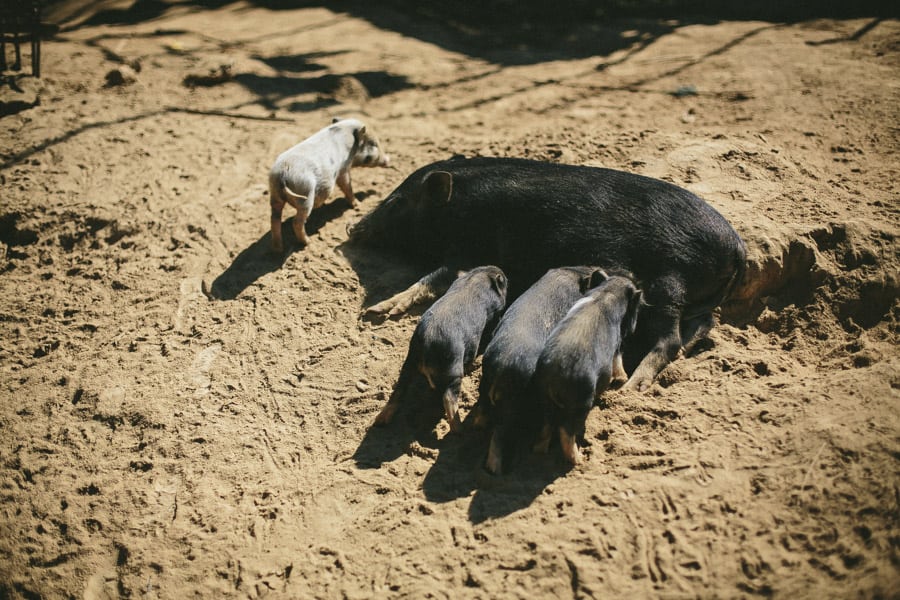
[[18, 44], [36, 54]]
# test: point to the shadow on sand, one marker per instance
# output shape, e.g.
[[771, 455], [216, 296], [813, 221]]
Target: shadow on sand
[[457, 470], [258, 259], [412, 431]]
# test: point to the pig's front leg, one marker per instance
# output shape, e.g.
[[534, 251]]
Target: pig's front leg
[[619, 375], [428, 288], [662, 321], [346, 187], [668, 343]]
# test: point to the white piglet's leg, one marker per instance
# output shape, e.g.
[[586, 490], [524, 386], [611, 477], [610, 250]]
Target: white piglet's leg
[[346, 186]]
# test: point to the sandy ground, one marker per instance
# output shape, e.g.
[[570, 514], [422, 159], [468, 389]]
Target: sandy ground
[[184, 415]]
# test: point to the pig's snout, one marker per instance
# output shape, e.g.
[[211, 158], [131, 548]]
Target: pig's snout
[[351, 230]]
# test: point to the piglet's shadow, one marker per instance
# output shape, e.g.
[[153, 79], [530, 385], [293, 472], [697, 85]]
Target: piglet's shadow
[[411, 431], [258, 259], [458, 464], [458, 470], [501, 496], [454, 473]]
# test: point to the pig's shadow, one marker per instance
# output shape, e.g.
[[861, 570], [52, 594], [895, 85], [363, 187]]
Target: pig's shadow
[[502, 496], [412, 430], [258, 259], [459, 470], [454, 473]]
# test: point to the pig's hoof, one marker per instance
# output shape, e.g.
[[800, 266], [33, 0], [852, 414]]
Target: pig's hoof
[[387, 308], [637, 384], [398, 308], [573, 457], [541, 446], [493, 465], [377, 309]]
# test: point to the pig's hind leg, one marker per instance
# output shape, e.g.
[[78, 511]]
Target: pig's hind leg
[[303, 206], [481, 414], [695, 329], [451, 403], [277, 203]]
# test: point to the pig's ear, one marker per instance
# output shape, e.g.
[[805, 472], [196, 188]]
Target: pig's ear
[[498, 282], [359, 133], [335, 120], [591, 281], [438, 186], [634, 306]]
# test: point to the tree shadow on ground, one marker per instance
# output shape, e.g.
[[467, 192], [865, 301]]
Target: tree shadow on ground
[[273, 89], [546, 31], [539, 32]]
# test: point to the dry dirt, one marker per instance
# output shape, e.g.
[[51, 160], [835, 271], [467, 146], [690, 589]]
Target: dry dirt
[[183, 415]]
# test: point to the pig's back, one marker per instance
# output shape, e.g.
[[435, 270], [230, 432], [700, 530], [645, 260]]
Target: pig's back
[[529, 216], [521, 333]]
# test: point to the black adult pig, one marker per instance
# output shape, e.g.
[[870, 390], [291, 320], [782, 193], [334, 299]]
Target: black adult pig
[[512, 355], [527, 217]]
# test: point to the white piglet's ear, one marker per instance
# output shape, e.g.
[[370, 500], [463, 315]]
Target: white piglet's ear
[[335, 120], [498, 282], [438, 186], [359, 133]]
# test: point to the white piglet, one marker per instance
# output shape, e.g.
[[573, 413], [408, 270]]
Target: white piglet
[[304, 176]]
